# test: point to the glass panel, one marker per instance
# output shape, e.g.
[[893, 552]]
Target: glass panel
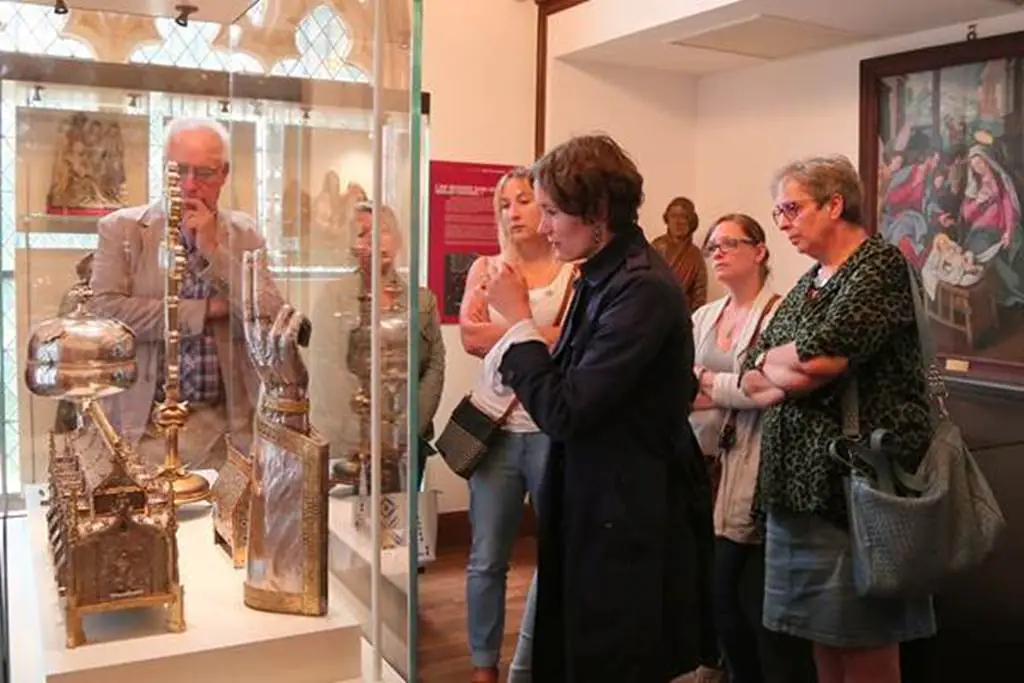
[[337, 172], [316, 172]]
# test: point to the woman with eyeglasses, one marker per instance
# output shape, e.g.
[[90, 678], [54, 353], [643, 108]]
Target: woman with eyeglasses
[[727, 424], [845, 331]]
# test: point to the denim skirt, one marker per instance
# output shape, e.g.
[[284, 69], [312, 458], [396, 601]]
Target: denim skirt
[[810, 592]]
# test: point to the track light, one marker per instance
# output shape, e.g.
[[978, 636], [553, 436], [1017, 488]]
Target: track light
[[184, 12], [60, 7]]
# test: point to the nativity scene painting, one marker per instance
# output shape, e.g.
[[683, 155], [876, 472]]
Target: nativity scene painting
[[950, 181], [89, 168]]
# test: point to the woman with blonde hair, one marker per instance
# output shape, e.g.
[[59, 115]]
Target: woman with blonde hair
[[516, 461]]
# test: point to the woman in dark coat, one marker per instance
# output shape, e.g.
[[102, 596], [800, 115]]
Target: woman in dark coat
[[626, 537]]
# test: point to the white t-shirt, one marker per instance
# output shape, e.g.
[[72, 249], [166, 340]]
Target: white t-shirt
[[489, 394]]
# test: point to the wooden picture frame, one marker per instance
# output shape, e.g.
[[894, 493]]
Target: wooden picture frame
[[942, 162]]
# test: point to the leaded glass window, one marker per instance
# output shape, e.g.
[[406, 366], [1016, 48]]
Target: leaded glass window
[[323, 42], [36, 30], [192, 47]]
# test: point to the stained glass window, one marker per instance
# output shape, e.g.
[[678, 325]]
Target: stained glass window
[[323, 42]]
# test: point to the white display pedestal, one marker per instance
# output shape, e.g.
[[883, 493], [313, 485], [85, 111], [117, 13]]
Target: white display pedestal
[[224, 640], [394, 562], [351, 561]]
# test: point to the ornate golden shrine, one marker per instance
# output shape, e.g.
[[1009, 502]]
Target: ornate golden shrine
[[112, 529], [111, 522]]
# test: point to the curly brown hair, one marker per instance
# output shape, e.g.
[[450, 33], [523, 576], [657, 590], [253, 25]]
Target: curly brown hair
[[593, 178]]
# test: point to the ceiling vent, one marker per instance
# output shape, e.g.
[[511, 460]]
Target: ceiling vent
[[769, 37]]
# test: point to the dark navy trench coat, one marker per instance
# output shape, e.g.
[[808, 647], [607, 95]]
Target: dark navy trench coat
[[626, 539]]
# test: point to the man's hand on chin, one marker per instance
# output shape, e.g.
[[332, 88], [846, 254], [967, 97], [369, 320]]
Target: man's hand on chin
[[200, 225]]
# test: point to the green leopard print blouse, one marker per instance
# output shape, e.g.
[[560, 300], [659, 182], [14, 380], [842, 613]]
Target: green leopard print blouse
[[864, 313]]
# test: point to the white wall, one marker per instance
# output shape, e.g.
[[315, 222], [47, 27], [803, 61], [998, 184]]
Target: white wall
[[651, 113], [753, 121], [478, 65]]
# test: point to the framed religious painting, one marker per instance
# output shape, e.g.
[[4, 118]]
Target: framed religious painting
[[942, 159]]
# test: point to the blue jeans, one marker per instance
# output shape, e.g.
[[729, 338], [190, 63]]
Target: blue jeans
[[522, 662], [512, 467]]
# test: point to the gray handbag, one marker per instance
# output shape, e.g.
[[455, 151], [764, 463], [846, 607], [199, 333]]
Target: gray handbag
[[911, 532]]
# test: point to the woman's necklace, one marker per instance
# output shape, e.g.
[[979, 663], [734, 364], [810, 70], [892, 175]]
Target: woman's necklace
[[731, 321]]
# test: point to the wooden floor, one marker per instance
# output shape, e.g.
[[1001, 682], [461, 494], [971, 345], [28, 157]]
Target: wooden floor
[[444, 650]]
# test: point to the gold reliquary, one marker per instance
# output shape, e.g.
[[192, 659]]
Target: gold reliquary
[[287, 554], [230, 498], [111, 519]]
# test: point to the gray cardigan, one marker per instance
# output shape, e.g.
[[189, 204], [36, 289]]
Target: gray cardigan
[[732, 515]]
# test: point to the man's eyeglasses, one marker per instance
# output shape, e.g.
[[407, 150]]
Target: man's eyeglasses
[[202, 174], [725, 245]]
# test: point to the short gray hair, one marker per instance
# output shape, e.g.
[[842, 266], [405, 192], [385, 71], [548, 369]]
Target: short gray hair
[[824, 177], [183, 125], [388, 220]]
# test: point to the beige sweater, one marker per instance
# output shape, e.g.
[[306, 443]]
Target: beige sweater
[[732, 515]]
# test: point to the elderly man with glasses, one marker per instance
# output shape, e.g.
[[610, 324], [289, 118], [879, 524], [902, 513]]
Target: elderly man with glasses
[[128, 283]]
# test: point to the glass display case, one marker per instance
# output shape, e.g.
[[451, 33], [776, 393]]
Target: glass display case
[[210, 230]]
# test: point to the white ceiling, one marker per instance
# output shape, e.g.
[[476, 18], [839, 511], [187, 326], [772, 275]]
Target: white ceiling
[[220, 11], [749, 32]]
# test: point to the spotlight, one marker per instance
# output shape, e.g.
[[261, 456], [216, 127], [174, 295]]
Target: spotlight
[[60, 7], [184, 12]]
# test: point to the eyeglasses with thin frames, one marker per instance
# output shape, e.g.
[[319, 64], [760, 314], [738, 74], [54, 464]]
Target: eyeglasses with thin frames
[[202, 174], [726, 245], [788, 209]]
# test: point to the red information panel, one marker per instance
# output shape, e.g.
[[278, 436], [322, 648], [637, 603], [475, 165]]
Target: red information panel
[[462, 226]]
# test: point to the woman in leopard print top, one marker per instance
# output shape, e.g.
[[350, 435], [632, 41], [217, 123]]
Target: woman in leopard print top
[[850, 316]]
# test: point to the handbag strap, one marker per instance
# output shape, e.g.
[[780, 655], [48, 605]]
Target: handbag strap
[[933, 379], [562, 307], [730, 418]]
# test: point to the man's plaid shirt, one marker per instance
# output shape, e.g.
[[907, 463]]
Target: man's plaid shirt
[[200, 368]]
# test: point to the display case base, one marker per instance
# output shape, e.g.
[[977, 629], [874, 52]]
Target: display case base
[[223, 641]]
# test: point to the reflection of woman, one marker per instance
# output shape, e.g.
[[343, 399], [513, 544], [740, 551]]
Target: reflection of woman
[[623, 575], [682, 255], [335, 314], [327, 207], [728, 427], [847, 325]]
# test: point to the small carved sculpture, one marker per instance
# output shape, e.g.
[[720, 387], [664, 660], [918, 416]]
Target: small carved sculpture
[[88, 169], [286, 564]]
